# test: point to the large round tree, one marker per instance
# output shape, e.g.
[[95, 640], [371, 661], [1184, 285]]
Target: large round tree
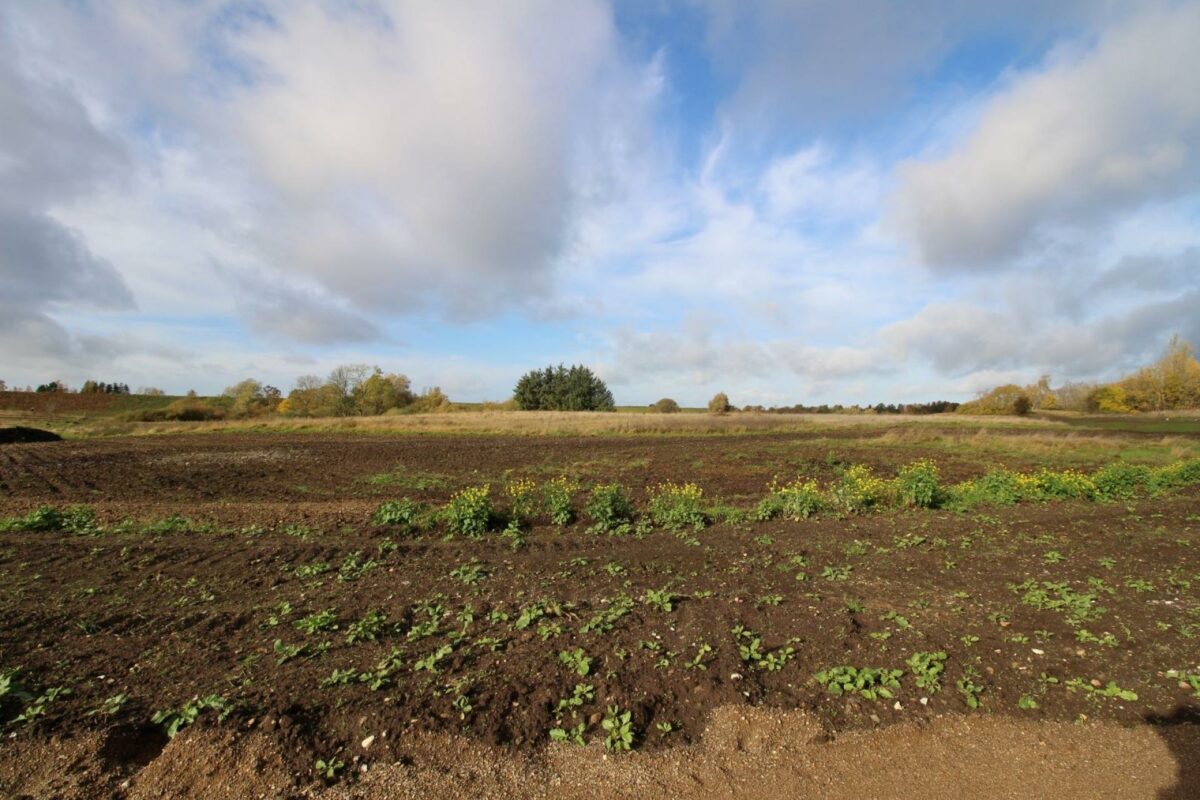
[[562, 389]]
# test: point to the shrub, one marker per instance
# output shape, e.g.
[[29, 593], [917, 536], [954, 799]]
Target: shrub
[[76, 519], [1065, 485], [1121, 481], [470, 511], [719, 404], [558, 497], [677, 506], [562, 389], [797, 500], [609, 507], [859, 489], [521, 499], [404, 512], [666, 406], [917, 484], [1185, 473]]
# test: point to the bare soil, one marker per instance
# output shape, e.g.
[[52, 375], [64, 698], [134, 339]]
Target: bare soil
[[278, 530]]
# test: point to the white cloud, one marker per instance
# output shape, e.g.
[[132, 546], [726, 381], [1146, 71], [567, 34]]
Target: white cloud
[[1087, 136]]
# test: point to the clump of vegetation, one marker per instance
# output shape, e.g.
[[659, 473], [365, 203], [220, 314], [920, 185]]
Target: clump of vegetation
[[797, 500], [928, 669], [174, 720], [609, 507], [719, 404], [666, 406], [869, 682], [400, 513], [618, 725], [859, 489], [562, 389], [677, 506], [1121, 481], [917, 484], [558, 499], [522, 500], [469, 511], [74, 519]]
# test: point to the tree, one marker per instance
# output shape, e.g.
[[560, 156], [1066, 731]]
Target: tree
[[666, 406], [379, 393], [719, 404], [562, 389], [3, 386], [248, 398]]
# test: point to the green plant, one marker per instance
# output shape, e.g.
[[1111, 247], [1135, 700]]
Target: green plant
[[662, 599], [619, 726], [968, 688], [469, 511], [74, 519], [869, 682], [431, 661], [470, 573], [366, 629], [315, 623], [558, 497], [174, 720], [609, 507], [329, 768], [521, 500], [677, 506], [576, 660], [1121, 481], [928, 669], [917, 484], [797, 500], [573, 735], [400, 513], [859, 489], [353, 567]]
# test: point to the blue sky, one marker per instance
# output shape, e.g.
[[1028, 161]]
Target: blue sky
[[787, 201]]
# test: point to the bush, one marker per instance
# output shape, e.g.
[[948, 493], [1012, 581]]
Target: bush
[[666, 406], [677, 506], [1065, 485], [917, 484], [562, 389], [76, 519], [521, 499], [1185, 473], [859, 489], [719, 404], [1121, 481], [609, 507], [797, 500], [558, 496], [469, 511], [399, 512], [186, 409]]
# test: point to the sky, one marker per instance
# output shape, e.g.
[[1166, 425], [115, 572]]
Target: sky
[[801, 201]]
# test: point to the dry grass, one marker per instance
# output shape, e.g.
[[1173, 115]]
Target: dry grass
[[548, 423]]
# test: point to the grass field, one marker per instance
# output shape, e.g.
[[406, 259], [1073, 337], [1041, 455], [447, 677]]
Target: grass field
[[332, 582]]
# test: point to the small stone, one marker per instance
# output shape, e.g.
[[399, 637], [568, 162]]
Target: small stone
[[367, 742], [1095, 682], [735, 676], [1037, 651], [875, 718], [898, 706], [924, 701]]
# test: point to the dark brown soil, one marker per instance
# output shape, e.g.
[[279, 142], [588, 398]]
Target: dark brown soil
[[210, 607]]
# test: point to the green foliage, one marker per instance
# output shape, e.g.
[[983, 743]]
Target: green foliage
[[859, 489], [315, 623], [174, 720], [1059, 596], [576, 660], [558, 497], [869, 682], [469, 511], [619, 726], [928, 669], [797, 500], [74, 519], [968, 688], [608, 507], [719, 404], [562, 389], [400, 513], [1121, 481], [917, 484], [677, 506]]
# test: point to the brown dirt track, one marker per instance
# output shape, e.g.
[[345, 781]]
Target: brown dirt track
[[163, 617]]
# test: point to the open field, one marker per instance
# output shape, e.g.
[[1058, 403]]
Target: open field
[[234, 587]]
